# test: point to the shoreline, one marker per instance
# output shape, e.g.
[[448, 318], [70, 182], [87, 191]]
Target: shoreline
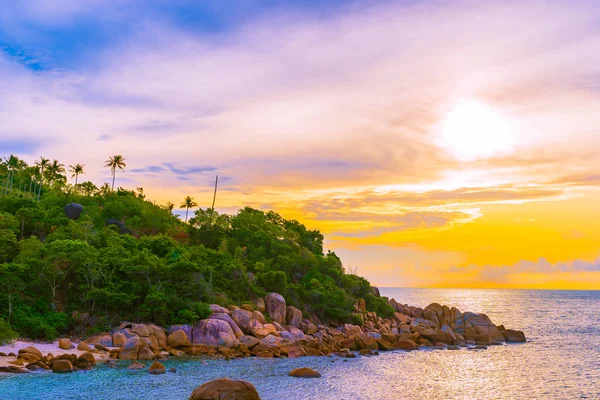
[[282, 331]]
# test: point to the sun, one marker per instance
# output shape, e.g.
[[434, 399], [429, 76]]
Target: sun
[[473, 130]]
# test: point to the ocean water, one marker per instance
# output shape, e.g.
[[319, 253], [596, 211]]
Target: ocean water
[[561, 360]]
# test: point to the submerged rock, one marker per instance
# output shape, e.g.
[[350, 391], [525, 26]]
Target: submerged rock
[[225, 389], [62, 366], [304, 373], [157, 368]]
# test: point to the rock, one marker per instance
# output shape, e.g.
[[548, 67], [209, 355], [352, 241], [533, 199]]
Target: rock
[[172, 369], [141, 330], [31, 350], [102, 348], [159, 334], [264, 330], [110, 364], [389, 337], [404, 344], [364, 341], [260, 305], [514, 336], [375, 291], [244, 320], [88, 357], [62, 366], [215, 308], [271, 340], [384, 345], [257, 315], [188, 329], [178, 339], [293, 316], [13, 369], [131, 348], [361, 306], [136, 365], [276, 307], [83, 347], [73, 210], [37, 365], [157, 368], [234, 327], [214, 332], [247, 307], [65, 344], [104, 339], [304, 373], [146, 353], [249, 341], [225, 389], [119, 339]]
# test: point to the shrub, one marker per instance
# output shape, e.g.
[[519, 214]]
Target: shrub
[[7, 335]]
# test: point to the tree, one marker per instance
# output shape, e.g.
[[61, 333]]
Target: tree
[[188, 203], [55, 170], [77, 170], [42, 163], [115, 162], [169, 206]]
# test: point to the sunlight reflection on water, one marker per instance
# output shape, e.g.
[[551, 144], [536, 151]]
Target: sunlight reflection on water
[[560, 361]]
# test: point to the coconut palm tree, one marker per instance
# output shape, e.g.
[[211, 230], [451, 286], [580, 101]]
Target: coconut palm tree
[[42, 163], [77, 170], [55, 170], [188, 203], [115, 162], [169, 206]]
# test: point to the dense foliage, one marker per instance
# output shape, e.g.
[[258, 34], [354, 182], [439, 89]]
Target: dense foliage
[[126, 258]]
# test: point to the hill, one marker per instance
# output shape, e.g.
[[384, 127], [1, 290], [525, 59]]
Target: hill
[[72, 251]]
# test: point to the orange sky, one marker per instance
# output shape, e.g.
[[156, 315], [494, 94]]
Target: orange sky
[[437, 144]]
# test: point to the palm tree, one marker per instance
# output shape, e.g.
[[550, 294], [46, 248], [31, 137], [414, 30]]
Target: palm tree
[[169, 206], [115, 162], [188, 203], [76, 169], [43, 163], [55, 169]]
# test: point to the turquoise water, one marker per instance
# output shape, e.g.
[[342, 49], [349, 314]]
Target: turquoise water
[[560, 361]]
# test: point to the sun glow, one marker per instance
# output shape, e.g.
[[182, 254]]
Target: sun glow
[[473, 131]]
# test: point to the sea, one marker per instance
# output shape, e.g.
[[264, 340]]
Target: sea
[[561, 360]]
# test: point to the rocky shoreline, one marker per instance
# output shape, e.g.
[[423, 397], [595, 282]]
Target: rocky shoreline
[[269, 328]]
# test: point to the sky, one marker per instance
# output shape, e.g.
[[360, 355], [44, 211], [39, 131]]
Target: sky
[[433, 143]]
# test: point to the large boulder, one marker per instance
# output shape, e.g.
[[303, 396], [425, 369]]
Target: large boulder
[[131, 348], [141, 330], [159, 334], [243, 319], [31, 350], [214, 332], [477, 327], [65, 344], [62, 366], [225, 389], [293, 316], [276, 307], [73, 210], [178, 339], [225, 317], [119, 338]]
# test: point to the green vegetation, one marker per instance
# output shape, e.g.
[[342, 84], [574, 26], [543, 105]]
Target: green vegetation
[[125, 258]]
